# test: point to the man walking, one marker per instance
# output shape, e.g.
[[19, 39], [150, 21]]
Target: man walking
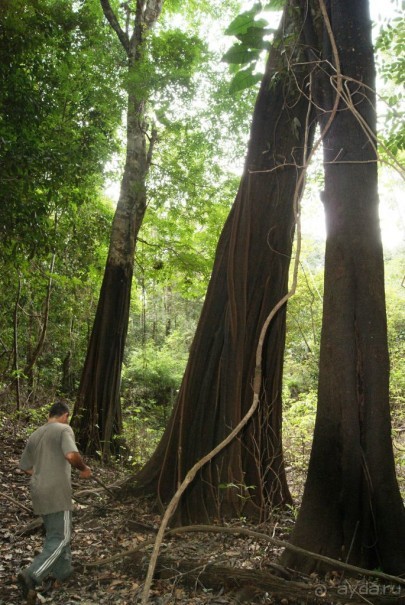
[[48, 457]]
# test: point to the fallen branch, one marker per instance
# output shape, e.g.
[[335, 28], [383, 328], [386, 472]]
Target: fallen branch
[[333, 563], [247, 584], [105, 487], [22, 506]]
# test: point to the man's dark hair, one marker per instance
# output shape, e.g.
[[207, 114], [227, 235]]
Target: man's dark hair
[[58, 409]]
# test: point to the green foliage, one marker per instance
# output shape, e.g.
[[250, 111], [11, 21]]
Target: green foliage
[[140, 438], [395, 296], [242, 24], [192, 182], [239, 54], [254, 37], [34, 417], [274, 5], [243, 492], [244, 79], [152, 375], [76, 274], [150, 382], [298, 427], [300, 376], [390, 59], [165, 67], [175, 56], [304, 314], [59, 108]]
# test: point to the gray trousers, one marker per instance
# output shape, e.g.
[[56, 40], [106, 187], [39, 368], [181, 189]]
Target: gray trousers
[[55, 558]]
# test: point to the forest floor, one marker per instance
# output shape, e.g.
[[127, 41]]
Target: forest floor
[[105, 527]]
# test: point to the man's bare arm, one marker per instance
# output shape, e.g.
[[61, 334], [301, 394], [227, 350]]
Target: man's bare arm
[[75, 460]]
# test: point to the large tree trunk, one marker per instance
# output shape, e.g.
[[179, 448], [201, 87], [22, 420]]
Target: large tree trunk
[[97, 414], [250, 276], [352, 509]]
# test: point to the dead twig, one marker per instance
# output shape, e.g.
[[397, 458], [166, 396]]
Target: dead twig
[[22, 506], [107, 489]]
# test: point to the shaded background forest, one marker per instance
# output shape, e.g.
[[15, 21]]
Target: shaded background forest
[[62, 100]]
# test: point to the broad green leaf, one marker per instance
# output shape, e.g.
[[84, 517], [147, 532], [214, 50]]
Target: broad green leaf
[[244, 79], [254, 37], [240, 55], [242, 22]]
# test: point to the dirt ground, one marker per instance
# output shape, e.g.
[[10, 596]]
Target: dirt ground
[[105, 527]]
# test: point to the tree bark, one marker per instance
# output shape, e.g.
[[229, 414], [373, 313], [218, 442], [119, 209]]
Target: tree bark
[[97, 414], [249, 277], [352, 507]]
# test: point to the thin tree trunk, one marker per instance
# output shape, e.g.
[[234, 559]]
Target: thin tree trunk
[[16, 369], [97, 414], [250, 276], [352, 509], [33, 358], [67, 379]]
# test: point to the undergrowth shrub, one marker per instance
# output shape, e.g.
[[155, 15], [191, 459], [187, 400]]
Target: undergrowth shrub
[[151, 379], [298, 426]]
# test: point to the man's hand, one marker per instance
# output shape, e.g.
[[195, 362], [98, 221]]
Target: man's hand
[[75, 459], [86, 473]]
